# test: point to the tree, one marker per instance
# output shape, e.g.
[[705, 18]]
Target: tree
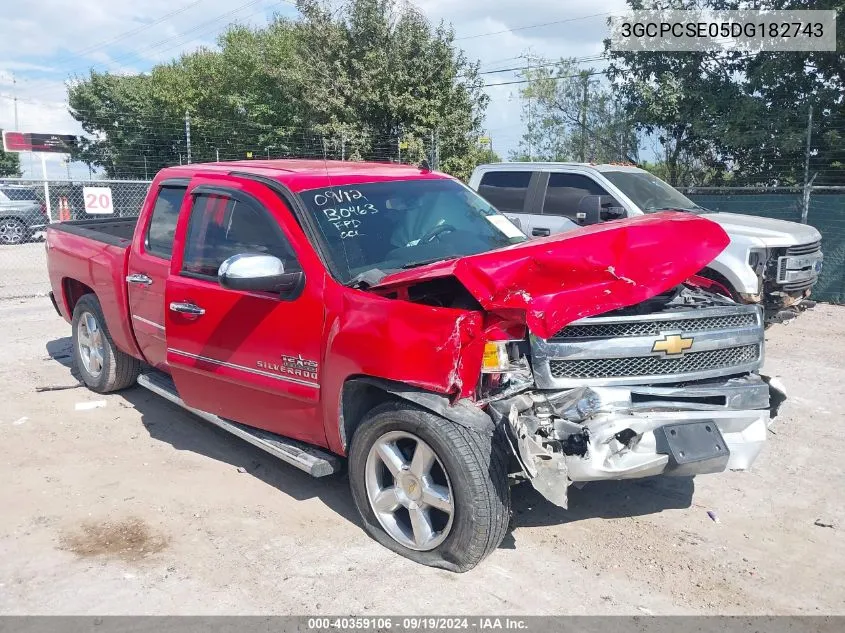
[[382, 69], [741, 116], [10, 164], [571, 115], [348, 81]]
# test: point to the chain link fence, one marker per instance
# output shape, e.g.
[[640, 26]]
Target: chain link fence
[[825, 210], [27, 206]]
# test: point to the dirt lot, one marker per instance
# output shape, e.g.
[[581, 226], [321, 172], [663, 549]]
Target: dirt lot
[[137, 507]]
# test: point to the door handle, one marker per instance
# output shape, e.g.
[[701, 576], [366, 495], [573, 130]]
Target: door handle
[[139, 278], [186, 308], [540, 232]]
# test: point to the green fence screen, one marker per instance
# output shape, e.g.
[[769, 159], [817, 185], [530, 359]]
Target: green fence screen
[[827, 214]]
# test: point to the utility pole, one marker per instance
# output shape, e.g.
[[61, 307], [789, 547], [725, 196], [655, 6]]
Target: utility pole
[[15, 100], [808, 182], [188, 136], [146, 175], [586, 79], [530, 118]]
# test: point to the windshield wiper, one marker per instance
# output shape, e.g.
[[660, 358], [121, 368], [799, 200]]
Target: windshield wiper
[[433, 260], [694, 209]]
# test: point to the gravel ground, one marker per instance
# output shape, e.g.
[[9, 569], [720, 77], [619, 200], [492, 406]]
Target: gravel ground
[[138, 507]]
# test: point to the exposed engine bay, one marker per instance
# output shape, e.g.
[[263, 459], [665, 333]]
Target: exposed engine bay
[[668, 386]]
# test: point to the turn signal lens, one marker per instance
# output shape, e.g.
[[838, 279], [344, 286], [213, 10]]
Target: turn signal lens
[[495, 358]]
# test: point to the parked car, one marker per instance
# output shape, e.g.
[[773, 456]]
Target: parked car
[[769, 262], [22, 214], [388, 315]]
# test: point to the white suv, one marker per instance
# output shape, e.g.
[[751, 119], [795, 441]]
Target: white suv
[[771, 262]]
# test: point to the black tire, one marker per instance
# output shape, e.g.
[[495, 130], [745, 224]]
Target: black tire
[[13, 231], [119, 370], [476, 466]]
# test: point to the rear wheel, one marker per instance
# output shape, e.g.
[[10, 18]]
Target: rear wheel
[[427, 488], [102, 367], [12, 231]]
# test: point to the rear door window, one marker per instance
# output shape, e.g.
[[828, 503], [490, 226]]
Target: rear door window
[[162, 229], [505, 190]]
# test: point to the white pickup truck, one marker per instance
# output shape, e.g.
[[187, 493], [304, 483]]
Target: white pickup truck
[[769, 262]]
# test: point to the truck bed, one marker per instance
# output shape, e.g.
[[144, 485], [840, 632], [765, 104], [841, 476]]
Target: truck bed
[[91, 256], [114, 231]]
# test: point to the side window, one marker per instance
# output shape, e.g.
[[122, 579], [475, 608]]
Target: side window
[[505, 190], [565, 191], [220, 227], [162, 229]]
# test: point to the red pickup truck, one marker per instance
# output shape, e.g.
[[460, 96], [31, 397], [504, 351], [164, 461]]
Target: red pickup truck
[[388, 315]]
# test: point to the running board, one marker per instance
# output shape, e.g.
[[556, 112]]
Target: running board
[[312, 460]]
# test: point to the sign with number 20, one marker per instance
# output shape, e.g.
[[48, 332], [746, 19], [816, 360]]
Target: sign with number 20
[[98, 200]]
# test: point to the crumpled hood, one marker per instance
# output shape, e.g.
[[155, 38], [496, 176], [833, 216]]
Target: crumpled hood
[[770, 231], [590, 271]]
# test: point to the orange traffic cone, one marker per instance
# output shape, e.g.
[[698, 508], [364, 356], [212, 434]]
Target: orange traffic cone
[[64, 209]]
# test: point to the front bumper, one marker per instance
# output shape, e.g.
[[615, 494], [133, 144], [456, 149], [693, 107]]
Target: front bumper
[[599, 433], [743, 432]]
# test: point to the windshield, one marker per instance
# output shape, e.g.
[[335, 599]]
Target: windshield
[[650, 193], [398, 224]]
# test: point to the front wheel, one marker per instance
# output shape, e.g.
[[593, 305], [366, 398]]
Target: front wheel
[[427, 488]]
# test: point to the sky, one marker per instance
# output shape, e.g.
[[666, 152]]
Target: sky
[[43, 43]]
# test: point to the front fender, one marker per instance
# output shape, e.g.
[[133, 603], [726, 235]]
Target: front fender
[[732, 264], [363, 393]]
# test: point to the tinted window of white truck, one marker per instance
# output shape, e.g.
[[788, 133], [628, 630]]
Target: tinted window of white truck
[[505, 190], [565, 191]]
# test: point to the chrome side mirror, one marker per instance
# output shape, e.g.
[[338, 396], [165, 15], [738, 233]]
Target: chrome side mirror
[[264, 273]]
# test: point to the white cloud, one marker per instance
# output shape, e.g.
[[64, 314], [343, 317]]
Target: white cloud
[[49, 41]]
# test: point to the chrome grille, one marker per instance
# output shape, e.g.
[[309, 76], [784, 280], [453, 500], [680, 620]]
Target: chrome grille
[[653, 328], [804, 249], [619, 349], [654, 365]]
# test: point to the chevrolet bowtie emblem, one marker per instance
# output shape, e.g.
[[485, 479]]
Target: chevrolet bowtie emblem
[[672, 345]]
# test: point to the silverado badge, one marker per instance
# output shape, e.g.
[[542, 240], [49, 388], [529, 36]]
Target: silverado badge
[[673, 344], [292, 366]]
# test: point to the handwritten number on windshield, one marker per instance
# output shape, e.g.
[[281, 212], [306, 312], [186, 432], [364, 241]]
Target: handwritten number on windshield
[[346, 219]]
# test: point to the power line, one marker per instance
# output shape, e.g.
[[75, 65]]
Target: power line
[[532, 26], [582, 60], [196, 31], [525, 81], [135, 31]]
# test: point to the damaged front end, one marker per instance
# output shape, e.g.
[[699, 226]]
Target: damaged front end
[[590, 351], [640, 393]]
